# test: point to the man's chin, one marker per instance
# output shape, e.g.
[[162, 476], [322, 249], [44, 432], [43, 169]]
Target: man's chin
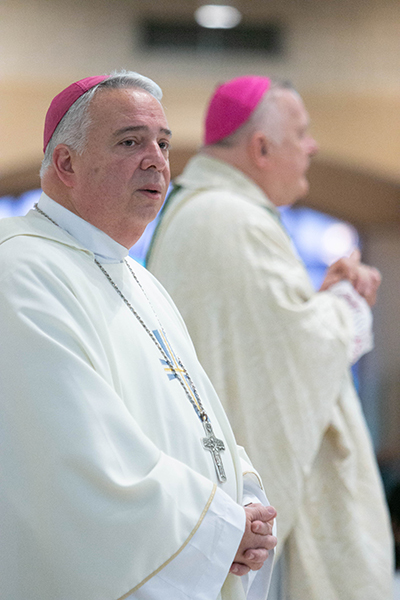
[[303, 191]]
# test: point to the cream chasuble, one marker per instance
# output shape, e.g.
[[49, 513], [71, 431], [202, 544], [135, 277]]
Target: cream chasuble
[[278, 356], [104, 477]]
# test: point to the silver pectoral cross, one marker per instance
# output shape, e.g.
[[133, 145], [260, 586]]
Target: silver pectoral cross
[[215, 446]]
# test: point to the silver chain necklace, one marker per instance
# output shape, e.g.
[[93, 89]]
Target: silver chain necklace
[[211, 443]]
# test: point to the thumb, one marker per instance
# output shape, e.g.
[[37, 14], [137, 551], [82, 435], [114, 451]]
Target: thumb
[[355, 256], [259, 512]]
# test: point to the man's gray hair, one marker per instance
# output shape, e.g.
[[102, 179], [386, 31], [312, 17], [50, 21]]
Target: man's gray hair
[[73, 127], [266, 117]]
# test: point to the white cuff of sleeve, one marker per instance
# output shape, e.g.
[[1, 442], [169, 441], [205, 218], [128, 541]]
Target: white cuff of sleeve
[[199, 571], [256, 583], [362, 340]]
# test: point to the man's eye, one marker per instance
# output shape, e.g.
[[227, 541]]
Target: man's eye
[[164, 145], [128, 142]]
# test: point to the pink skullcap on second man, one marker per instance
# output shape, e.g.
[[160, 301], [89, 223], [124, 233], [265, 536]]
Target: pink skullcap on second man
[[63, 102], [232, 104]]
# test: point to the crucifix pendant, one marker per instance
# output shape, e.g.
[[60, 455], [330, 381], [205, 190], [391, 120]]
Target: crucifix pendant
[[215, 446]]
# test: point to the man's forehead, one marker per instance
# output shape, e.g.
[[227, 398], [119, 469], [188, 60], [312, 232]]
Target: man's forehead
[[290, 101], [128, 108], [140, 128]]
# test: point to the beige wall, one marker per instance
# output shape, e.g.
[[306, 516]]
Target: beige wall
[[343, 55]]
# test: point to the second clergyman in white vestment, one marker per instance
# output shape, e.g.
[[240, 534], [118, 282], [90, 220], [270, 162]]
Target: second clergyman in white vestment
[[278, 353]]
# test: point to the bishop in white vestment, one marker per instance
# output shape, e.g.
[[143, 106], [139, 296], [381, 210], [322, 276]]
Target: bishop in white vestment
[[120, 475], [105, 483]]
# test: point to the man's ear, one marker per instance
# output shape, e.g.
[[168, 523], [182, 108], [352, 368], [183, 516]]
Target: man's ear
[[63, 164], [259, 148]]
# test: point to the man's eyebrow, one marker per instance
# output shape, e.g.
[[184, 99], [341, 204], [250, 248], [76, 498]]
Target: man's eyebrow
[[134, 128]]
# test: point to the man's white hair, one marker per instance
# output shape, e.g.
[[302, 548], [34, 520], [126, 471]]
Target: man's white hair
[[73, 127]]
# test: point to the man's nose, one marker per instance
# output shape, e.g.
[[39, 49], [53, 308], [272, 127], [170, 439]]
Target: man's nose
[[312, 146], [155, 157]]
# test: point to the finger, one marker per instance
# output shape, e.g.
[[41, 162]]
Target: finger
[[271, 511], [262, 528], [351, 271], [376, 277], [361, 285], [264, 544], [355, 256], [371, 300], [258, 512], [344, 268], [370, 296], [255, 556], [369, 284], [267, 542], [368, 281], [239, 569], [271, 542]]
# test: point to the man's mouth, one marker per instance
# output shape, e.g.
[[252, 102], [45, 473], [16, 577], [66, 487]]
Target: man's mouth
[[153, 191]]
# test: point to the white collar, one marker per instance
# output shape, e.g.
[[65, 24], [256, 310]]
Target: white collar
[[103, 247]]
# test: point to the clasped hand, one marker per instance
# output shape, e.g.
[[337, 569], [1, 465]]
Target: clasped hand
[[257, 539], [365, 280]]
